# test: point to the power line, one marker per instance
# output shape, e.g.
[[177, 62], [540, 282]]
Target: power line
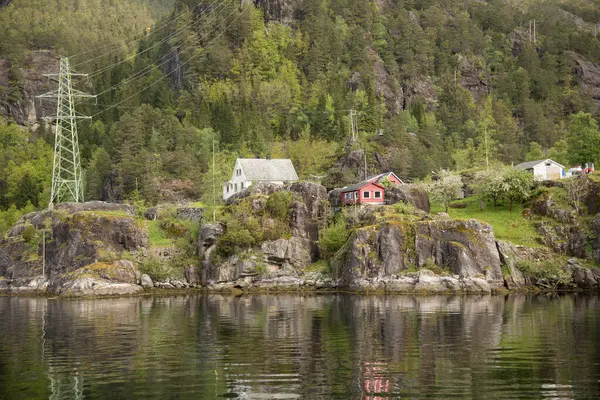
[[156, 29], [188, 25], [149, 68], [167, 75]]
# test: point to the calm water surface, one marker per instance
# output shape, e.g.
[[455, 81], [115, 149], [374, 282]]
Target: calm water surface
[[295, 347]]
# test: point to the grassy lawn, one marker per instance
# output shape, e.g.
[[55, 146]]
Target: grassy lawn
[[510, 226], [156, 236]]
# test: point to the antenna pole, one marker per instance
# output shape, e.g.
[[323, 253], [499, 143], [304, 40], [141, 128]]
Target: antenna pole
[[214, 182]]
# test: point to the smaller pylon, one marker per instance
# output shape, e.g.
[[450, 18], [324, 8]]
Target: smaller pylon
[[353, 125], [67, 182]]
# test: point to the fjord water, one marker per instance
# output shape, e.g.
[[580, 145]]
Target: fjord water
[[308, 347]]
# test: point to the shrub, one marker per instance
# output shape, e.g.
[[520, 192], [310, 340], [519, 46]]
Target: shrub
[[278, 204], [549, 274], [404, 208], [29, 233], [173, 229], [234, 240], [332, 238], [156, 269]]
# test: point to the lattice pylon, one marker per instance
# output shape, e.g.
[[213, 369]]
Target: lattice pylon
[[67, 182]]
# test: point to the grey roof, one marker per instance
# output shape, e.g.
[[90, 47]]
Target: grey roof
[[357, 186], [531, 164], [260, 169]]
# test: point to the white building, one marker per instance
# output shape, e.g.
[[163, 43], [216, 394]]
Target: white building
[[258, 170], [543, 170]]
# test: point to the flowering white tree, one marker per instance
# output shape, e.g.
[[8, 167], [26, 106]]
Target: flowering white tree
[[446, 188]]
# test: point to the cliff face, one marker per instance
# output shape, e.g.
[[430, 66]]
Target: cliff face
[[82, 242], [19, 87]]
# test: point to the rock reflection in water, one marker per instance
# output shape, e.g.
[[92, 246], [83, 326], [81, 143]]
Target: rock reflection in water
[[312, 347]]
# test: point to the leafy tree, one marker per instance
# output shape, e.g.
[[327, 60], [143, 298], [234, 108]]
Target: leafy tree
[[518, 186], [535, 152], [583, 139], [446, 188]]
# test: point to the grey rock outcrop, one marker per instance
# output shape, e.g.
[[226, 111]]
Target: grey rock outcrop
[[409, 194], [515, 279], [563, 239], [72, 240], [467, 248], [297, 252]]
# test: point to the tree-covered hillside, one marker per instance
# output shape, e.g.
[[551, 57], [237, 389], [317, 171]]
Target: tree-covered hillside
[[444, 82]]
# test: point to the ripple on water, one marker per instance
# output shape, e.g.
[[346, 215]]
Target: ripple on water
[[301, 347]]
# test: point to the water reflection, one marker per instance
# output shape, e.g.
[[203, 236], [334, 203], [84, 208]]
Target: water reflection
[[309, 347]]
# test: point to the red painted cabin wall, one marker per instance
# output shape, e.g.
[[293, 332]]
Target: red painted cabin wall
[[371, 187]]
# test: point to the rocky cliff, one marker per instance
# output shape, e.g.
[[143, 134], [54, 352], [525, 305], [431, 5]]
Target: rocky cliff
[[75, 249], [19, 86], [269, 238]]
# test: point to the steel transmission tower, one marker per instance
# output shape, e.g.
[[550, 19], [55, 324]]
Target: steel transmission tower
[[67, 183]]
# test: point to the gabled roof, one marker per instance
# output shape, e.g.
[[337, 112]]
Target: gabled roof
[[357, 186], [531, 164], [260, 169], [377, 178]]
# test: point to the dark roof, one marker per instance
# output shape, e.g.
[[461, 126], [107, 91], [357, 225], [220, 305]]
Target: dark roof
[[531, 164], [260, 169], [357, 186]]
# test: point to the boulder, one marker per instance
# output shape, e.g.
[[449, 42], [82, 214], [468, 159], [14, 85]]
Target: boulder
[[418, 197], [146, 282], [93, 287]]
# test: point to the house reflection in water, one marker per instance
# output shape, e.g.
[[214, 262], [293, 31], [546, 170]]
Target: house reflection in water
[[376, 381]]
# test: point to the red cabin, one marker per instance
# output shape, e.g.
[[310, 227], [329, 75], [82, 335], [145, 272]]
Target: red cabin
[[363, 193]]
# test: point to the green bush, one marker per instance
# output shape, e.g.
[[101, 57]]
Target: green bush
[[404, 208], [29, 233], [332, 238], [234, 240], [278, 204], [156, 269], [549, 274], [173, 229]]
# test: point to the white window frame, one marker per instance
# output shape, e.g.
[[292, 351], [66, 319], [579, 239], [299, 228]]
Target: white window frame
[[366, 194], [377, 194]]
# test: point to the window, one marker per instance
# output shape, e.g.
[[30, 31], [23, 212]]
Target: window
[[345, 196], [228, 185], [377, 194], [366, 194], [350, 195], [235, 187], [355, 195], [242, 185]]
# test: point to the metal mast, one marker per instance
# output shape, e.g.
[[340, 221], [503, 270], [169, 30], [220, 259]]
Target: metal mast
[[67, 183]]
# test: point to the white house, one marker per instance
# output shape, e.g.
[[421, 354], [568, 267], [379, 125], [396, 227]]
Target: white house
[[258, 170], [543, 170]]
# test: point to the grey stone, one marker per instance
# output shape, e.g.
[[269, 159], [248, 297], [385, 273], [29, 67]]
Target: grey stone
[[146, 282]]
